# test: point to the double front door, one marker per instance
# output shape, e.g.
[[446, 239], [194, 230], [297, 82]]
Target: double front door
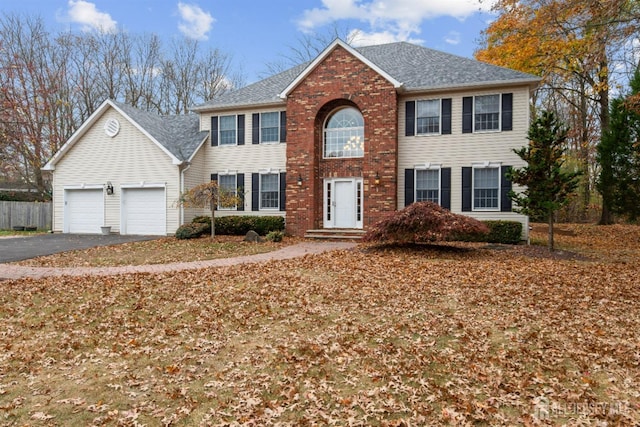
[[342, 203]]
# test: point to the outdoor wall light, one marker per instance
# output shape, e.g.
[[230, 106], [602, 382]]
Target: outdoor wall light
[[376, 180], [109, 188], [300, 180]]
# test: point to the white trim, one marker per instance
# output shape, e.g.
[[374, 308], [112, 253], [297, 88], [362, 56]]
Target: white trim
[[428, 167], [415, 124], [235, 185], [142, 186], [473, 113], [65, 206], [485, 165], [277, 141], [260, 175], [323, 55], [93, 118], [331, 223]]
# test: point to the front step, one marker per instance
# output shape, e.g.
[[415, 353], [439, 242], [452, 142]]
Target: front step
[[335, 233]]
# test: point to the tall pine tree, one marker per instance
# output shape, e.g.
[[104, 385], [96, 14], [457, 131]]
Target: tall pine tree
[[619, 155], [547, 184]]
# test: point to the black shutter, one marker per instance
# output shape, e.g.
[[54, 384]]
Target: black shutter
[[410, 118], [466, 188], [446, 116], [255, 191], [240, 129], [214, 177], [255, 128], [409, 186], [240, 189], [445, 188], [507, 111], [505, 188], [467, 114], [283, 126], [214, 131], [283, 191]]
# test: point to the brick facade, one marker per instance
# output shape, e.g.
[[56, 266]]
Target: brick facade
[[340, 80]]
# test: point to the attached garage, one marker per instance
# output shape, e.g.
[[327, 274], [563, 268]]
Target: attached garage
[[143, 211], [83, 210]]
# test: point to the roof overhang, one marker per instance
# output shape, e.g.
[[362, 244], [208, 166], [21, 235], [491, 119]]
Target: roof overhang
[[323, 55], [95, 116], [531, 83]]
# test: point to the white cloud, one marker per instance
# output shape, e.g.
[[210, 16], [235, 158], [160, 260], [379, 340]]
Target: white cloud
[[452, 38], [89, 17], [195, 22], [362, 38], [389, 18]]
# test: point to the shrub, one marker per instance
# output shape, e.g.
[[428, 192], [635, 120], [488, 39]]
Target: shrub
[[239, 225], [509, 232], [424, 222], [275, 236], [192, 230], [204, 219]]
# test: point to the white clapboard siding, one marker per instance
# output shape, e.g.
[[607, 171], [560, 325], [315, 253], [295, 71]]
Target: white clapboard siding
[[192, 177], [129, 159], [248, 158], [463, 149]]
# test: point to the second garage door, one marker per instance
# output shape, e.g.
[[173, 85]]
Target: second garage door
[[143, 211]]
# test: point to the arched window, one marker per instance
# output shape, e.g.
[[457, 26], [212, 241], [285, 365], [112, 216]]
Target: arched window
[[344, 134]]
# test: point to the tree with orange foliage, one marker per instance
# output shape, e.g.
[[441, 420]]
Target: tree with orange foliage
[[211, 195], [569, 43]]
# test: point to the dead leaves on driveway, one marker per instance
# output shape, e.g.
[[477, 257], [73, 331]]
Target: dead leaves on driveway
[[372, 336]]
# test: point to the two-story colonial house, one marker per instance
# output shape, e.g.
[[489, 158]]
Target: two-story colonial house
[[335, 143]]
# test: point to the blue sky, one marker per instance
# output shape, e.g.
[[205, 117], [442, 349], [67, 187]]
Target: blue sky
[[257, 32]]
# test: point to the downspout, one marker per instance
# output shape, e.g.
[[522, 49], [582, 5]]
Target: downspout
[[184, 166]]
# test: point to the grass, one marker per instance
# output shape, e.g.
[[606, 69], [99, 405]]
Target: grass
[[13, 233], [159, 251], [373, 336]]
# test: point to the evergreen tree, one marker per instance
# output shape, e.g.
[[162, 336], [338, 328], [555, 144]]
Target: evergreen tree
[[619, 156], [547, 184]]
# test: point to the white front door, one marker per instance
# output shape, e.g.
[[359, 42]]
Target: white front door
[[343, 203]]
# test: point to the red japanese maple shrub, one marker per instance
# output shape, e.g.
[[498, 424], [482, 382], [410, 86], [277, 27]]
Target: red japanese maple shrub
[[424, 222]]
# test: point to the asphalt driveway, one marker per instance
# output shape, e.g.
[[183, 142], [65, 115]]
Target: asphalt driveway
[[19, 248]]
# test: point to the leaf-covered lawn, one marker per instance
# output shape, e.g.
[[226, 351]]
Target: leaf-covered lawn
[[160, 251], [373, 336]]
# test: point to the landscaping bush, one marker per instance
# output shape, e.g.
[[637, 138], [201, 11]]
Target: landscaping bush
[[424, 222], [239, 225], [275, 236], [192, 230], [204, 219], [509, 232]]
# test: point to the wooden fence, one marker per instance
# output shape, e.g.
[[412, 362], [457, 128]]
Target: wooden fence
[[25, 214]]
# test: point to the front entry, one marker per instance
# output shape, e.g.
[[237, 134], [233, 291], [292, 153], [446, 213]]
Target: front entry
[[342, 203]]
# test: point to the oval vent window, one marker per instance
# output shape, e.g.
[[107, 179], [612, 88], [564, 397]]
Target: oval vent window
[[112, 127]]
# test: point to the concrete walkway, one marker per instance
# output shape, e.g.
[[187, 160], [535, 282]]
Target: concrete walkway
[[288, 252]]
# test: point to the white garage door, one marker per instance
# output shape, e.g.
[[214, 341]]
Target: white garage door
[[83, 211], [143, 211]]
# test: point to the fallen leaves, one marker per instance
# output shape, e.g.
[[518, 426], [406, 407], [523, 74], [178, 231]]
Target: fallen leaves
[[374, 336]]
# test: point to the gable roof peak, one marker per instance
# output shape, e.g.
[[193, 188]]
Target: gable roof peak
[[324, 54]]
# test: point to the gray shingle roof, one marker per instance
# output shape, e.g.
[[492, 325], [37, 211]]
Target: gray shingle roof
[[416, 67], [180, 134]]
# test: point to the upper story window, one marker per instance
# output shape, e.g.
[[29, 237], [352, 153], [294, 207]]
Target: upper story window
[[428, 117], [487, 112], [227, 130], [269, 127], [344, 134]]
